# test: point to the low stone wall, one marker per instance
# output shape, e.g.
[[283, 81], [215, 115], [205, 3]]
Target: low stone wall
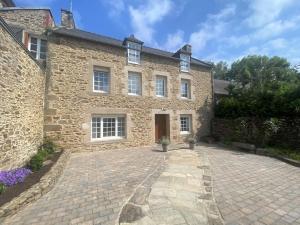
[[22, 101], [36, 191], [250, 130]]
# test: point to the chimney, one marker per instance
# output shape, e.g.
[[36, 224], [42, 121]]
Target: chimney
[[67, 19], [187, 49]]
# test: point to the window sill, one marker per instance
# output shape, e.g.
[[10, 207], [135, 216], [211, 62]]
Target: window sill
[[136, 95], [99, 93], [134, 63], [186, 99], [185, 133], [107, 140]]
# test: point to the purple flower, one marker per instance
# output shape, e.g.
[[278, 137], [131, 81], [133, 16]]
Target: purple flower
[[12, 177]]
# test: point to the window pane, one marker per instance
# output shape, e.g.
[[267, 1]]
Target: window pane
[[185, 88], [109, 127], [96, 127], [185, 62], [161, 86], [121, 126], [133, 56], [101, 81], [134, 84], [185, 124], [33, 40]]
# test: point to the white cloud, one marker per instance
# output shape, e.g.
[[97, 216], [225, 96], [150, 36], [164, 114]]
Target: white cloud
[[35, 3], [174, 41], [212, 28], [116, 7], [145, 16], [263, 12]]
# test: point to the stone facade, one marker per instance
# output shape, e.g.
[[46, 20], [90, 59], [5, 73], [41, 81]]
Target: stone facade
[[34, 21], [22, 99], [71, 102]]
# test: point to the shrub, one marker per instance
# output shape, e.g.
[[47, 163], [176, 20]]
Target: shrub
[[12, 177], [49, 146], [2, 188], [36, 162]]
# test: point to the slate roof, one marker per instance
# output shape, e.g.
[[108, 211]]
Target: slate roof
[[220, 87], [84, 35], [9, 3]]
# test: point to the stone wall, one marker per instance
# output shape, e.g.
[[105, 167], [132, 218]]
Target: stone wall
[[253, 131], [71, 101], [21, 100], [34, 21]]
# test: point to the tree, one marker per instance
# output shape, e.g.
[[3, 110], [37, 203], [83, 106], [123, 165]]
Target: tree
[[220, 71]]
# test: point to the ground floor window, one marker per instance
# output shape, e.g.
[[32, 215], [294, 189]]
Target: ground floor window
[[185, 124], [108, 127]]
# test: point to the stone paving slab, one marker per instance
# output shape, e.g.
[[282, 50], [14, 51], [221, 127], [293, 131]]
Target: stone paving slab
[[253, 189], [92, 189], [178, 196]]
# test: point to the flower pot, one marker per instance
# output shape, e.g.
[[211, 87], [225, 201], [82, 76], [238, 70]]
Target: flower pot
[[165, 148], [192, 145]]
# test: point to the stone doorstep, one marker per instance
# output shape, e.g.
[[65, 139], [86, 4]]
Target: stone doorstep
[[36, 191]]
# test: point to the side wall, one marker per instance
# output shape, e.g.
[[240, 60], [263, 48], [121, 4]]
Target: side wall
[[21, 100], [70, 101]]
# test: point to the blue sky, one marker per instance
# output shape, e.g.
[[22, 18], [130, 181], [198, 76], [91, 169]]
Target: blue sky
[[216, 29]]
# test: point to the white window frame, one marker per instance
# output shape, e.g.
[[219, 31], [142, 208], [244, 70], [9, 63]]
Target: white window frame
[[38, 48], [116, 137], [109, 80], [189, 117], [185, 61], [134, 74], [134, 49], [188, 84], [165, 83]]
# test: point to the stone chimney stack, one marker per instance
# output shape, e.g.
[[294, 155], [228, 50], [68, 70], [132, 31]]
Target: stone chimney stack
[[67, 19], [187, 49]]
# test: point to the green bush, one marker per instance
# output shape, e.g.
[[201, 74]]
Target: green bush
[[49, 146], [2, 188], [36, 161]]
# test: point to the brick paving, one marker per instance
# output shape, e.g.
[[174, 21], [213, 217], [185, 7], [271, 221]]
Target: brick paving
[[252, 189], [93, 188]]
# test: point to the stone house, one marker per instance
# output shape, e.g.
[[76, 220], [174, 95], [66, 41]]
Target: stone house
[[102, 93]]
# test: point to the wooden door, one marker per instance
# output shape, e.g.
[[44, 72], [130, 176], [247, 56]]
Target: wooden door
[[160, 127]]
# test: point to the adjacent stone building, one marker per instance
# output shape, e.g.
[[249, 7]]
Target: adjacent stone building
[[103, 93]]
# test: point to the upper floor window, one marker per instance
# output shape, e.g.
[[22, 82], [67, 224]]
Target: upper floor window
[[108, 127], [161, 86], [185, 62], [134, 52], [185, 88], [134, 83], [185, 124], [37, 47], [101, 81]]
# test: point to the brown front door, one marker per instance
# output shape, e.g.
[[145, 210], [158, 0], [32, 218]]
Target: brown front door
[[161, 129]]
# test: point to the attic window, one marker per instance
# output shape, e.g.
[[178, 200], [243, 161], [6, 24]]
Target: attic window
[[38, 47], [134, 52], [185, 62]]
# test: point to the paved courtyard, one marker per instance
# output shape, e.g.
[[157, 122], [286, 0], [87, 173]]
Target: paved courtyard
[[93, 188], [252, 189]]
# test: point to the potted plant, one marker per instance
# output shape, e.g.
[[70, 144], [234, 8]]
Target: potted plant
[[164, 143], [192, 142]]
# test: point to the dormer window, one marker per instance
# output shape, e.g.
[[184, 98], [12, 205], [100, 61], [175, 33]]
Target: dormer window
[[134, 52], [185, 62], [134, 48]]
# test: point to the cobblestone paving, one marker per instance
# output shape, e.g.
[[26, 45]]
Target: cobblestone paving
[[93, 188], [252, 189]]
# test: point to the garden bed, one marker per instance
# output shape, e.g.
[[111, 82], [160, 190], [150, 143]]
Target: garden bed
[[14, 191]]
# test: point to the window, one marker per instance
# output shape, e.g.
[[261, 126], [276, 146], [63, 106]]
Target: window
[[108, 127], [134, 52], [161, 86], [101, 81], [185, 88], [38, 48], [185, 62], [134, 84], [185, 124]]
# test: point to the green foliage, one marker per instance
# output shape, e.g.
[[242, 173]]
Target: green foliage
[[36, 162], [49, 146], [2, 188], [220, 71], [263, 87], [285, 152]]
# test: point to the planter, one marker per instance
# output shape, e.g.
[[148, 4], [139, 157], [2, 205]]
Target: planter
[[165, 147], [192, 145]]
